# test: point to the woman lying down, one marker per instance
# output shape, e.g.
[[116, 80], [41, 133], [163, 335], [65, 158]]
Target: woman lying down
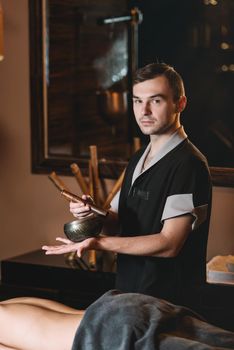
[[116, 321]]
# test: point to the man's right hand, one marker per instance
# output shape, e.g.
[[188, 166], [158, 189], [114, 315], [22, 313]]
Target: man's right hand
[[79, 209]]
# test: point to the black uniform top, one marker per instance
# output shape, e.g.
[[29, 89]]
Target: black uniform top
[[177, 182]]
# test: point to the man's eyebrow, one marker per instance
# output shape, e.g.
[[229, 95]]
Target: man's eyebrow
[[150, 97]]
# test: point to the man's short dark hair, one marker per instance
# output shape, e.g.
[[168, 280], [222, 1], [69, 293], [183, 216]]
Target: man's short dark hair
[[153, 70]]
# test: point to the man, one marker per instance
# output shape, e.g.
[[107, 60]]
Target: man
[[164, 204]]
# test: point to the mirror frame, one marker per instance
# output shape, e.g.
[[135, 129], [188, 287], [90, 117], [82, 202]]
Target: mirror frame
[[41, 162]]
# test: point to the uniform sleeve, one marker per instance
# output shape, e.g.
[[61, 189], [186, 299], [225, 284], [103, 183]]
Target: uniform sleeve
[[189, 192], [115, 202]]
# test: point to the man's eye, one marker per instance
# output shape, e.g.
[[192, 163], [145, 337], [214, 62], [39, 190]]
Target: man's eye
[[156, 100], [137, 101]]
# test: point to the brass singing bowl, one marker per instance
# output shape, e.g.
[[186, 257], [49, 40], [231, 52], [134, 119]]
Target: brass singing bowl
[[84, 228]]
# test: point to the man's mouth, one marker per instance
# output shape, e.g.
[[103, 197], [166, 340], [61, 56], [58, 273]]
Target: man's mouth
[[147, 122]]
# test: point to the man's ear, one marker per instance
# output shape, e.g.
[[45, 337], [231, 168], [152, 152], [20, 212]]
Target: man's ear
[[181, 104]]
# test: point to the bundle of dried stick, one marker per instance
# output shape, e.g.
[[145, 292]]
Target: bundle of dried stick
[[90, 187]]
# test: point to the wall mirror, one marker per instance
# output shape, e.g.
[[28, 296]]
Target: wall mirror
[[82, 55]]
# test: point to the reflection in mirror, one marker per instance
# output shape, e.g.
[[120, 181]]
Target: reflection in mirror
[[86, 81]]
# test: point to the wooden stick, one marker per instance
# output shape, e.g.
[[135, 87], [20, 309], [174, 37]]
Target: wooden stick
[[74, 198], [94, 166], [136, 144], [91, 253], [91, 190], [59, 184], [1, 34], [92, 259], [94, 183], [114, 190], [79, 178]]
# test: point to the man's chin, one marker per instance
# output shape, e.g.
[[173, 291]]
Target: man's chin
[[147, 131]]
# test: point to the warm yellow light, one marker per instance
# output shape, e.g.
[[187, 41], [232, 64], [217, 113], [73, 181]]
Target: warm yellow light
[[224, 68], [224, 46], [1, 33], [211, 2]]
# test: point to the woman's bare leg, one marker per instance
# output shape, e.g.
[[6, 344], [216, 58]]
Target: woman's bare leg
[[45, 303], [34, 327]]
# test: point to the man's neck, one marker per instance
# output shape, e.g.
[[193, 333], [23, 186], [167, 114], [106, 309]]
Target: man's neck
[[157, 141]]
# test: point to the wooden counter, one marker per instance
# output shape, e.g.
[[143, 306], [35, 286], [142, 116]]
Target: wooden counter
[[35, 274]]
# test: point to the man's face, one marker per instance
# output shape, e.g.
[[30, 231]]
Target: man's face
[[155, 111]]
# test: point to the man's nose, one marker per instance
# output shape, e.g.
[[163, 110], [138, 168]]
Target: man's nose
[[145, 109]]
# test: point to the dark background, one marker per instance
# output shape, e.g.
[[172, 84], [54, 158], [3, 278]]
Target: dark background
[[196, 37]]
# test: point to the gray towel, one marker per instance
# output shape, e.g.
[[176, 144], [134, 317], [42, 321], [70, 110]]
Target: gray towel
[[126, 321]]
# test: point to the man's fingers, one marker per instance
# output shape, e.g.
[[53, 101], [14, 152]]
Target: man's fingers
[[59, 249]]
